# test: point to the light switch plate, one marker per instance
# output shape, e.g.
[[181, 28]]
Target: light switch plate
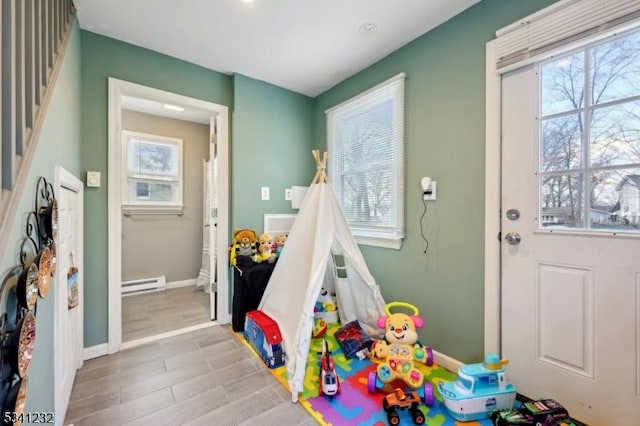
[[264, 191], [93, 179]]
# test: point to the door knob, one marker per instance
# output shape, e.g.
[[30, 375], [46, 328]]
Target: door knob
[[512, 238]]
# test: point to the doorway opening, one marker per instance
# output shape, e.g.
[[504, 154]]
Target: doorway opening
[[165, 255]]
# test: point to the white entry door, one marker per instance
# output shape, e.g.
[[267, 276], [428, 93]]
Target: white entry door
[[570, 285], [68, 323]]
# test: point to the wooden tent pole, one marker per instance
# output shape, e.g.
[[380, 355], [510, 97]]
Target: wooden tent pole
[[321, 167]]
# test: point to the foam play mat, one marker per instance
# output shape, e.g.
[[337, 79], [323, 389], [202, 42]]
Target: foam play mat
[[354, 405]]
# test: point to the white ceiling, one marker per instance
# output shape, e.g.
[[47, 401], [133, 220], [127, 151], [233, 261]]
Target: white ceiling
[[307, 46]]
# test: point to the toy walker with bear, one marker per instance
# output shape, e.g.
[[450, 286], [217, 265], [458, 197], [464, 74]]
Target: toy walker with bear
[[399, 352]]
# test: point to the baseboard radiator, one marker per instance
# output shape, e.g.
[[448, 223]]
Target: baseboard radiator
[[144, 285]]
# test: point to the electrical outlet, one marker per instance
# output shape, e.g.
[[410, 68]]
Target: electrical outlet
[[265, 193], [288, 194], [430, 193]]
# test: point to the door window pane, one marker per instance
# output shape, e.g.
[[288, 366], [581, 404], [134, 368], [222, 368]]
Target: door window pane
[[563, 84], [561, 202], [615, 199], [562, 142], [615, 69], [615, 135], [590, 138]]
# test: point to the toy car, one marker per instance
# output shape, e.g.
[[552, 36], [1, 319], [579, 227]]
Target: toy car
[[397, 401], [329, 381], [511, 417], [546, 412]]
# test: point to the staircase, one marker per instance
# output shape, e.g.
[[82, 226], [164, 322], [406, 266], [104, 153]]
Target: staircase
[[33, 37]]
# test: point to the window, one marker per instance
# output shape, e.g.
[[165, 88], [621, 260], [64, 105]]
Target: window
[[589, 154], [152, 180], [366, 162]]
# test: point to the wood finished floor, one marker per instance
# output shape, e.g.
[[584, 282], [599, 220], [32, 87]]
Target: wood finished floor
[[205, 377], [157, 312]]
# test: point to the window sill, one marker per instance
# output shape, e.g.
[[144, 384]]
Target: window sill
[[378, 240], [152, 210]]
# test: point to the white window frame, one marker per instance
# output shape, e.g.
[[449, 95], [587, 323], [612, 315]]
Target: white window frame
[[393, 88], [132, 206]]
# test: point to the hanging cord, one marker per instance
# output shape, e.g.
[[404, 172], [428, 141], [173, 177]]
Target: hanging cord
[[426, 241]]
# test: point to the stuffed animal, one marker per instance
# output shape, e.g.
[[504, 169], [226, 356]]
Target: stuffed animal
[[280, 241], [243, 245], [325, 302], [326, 307], [265, 248], [401, 349]]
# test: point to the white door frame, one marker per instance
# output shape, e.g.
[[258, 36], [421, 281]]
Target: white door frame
[[117, 89], [64, 179], [492, 203]]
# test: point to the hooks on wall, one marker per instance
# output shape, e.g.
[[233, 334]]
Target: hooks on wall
[[19, 292]]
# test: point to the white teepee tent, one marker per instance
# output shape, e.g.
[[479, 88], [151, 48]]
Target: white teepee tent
[[319, 229]]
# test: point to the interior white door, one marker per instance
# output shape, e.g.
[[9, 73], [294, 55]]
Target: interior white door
[[68, 323], [570, 317], [213, 220]]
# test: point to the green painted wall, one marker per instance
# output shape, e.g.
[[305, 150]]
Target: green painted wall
[[58, 144], [272, 142], [104, 57], [445, 127]]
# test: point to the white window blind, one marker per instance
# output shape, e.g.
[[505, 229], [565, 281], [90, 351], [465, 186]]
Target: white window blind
[[152, 173], [561, 25], [366, 162]]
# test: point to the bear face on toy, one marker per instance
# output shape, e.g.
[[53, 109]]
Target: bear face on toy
[[400, 349], [400, 328], [246, 240], [243, 246]]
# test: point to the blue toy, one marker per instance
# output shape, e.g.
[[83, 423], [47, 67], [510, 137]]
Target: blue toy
[[479, 390]]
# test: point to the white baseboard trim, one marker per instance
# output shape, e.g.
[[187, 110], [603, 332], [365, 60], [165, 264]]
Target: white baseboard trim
[[95, 351], [182, 283], [149, 339], [447, 362]]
